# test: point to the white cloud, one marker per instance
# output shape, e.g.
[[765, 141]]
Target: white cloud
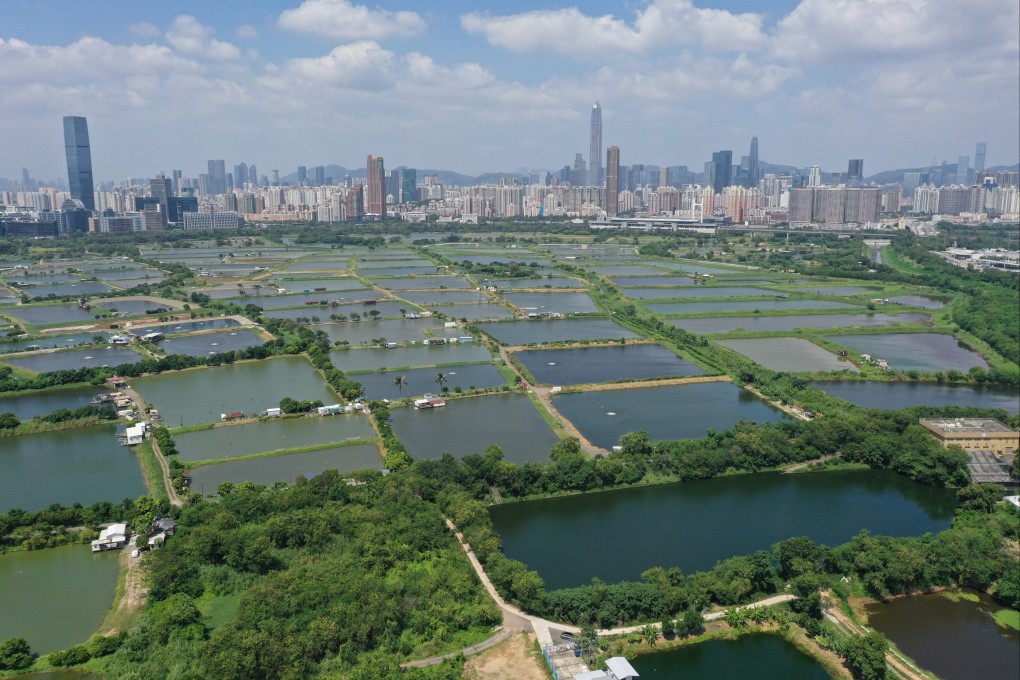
[[343, 20], [247, 31], [664, 23], [874, 29], [144, 29], [362, 65], [190, 37], [424, 70]]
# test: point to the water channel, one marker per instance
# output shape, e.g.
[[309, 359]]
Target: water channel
[[603, 364], [897, 395], [785, 323], [957, 640], [57, 597], [692, 525]]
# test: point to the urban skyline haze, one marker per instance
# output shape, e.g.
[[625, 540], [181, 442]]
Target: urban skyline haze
[[453, 86]]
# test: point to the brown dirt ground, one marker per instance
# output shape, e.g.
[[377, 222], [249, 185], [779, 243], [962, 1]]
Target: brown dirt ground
[[512, 659]]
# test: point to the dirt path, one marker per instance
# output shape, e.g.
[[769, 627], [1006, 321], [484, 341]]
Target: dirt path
[[160, 458], [513, 659], [125, 612], [800, 466]]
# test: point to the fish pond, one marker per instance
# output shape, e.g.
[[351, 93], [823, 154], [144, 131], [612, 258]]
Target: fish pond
[[935, 629], [604, 364], [927, 352], [471, 425], [787, 323], [422, 380], [44, 314], [136, 306], [760, 656], [92, 357], [699, 523], [83, 288], [56, 598], [32, 403], [545, 281], [473, 312], [285, 468], [233, 441], [443, 297], [836, 290], [665, 412], [897, 395], [424, 283], [51, 341], [789, 354], [393, 330], [697, 292], [555, 330], [924, 301], [186, 326], [561, 303], [428, 355], [642, 281], [83, 465], [742, 306], [201, 395], [211, 343]]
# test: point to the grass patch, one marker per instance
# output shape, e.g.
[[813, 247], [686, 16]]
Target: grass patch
[[960, 596], [219, 609], [1009, 618], [152, 473], [555, 424]]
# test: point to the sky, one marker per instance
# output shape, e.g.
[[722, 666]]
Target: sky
[[482, 87]]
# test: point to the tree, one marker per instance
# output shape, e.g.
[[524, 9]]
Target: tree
[[865, 655], [980, 497], [650, 633], [8, 421], [399, 382], [441, 379], [691, 623], [15, 654]]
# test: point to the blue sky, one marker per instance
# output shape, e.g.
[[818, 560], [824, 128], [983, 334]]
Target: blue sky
[[477, 87]]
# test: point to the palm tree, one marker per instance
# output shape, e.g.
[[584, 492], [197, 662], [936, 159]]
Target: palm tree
[[441, 379], [400, 381]]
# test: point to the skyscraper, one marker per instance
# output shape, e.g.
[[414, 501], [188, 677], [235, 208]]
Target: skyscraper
[[162, 190], [963, 170], [253, 175], [375, 203], [595, 149], [79, 160], [753, 171], [320, 175], [722, 170], [240, 175], [217, 176], [409, 185], [613, 181], [302, 174], [855, 171], [979, 157]]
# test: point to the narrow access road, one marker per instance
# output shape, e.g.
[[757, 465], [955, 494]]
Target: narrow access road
[[160, 458]]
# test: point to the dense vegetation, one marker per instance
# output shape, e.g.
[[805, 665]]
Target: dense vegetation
[[60, 524]]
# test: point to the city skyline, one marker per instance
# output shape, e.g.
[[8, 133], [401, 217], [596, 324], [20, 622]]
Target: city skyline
[[451, 87]]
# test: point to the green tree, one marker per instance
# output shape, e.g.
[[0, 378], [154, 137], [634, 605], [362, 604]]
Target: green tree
[[441, 379], [980, 497], [399, 382], [15, 654], [8, 421], [865, 655], [650, 633], [691, 623]]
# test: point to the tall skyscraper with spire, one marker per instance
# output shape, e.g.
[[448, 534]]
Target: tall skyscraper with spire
[[79, 160], [595, 150], [753, 172]]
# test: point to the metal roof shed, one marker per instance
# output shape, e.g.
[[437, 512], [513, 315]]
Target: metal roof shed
[[620, 668]]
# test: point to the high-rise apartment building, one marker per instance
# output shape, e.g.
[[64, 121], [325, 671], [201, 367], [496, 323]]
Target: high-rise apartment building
[[79, 160], [217, 177], [722, 170], [375, 203], [979, 157], [613, 181], [580, 173], [162, 190], [595, 147]]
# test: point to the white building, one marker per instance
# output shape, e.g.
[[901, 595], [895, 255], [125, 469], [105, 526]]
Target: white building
[[112, 537]]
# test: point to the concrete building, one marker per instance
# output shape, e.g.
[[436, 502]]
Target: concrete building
[[375, 200], [974, 434], [212, 220], [613, 181]]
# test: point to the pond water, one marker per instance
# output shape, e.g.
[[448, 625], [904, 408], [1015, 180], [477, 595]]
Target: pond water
[[33, 403], [897, 395], [553, 282], [388, 309], [76, 358], [555, 330], [130, 274], [789, 354], [742, 306], [201, 395], [422, 380], [466, 426], [695, 524], [759, 656], [474, 312], [787, 323], [603, 364], [274, 435], [613, 271], [375, 359], [666, 412], [204, 344], [136, 306], [703, 268], [315, 266], [285, 468], [927, 352], [282, 301], [423, 282], [836, 290], [443, 297], [50, 341], [83, 465], [187, 326], [309, 285], [47, 314], [83, 288], [562, 303], [639, 281], [934, 631], [56, 598], [377, 266], [393, 330], [697, 292], [919, 301]]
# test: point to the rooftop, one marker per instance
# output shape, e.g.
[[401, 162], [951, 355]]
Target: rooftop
[[965, 425]]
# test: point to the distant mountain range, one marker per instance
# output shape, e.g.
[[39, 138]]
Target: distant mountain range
[[449, 177]]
